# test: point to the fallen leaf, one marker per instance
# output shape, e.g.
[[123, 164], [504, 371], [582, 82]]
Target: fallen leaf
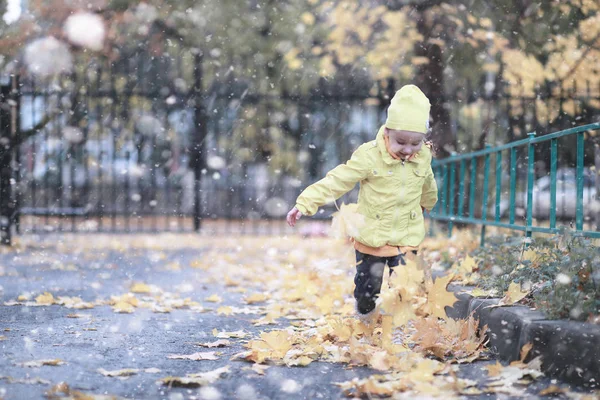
[[208, 355], [552, 389], [216, 343], [118, 373], [2, 337], [347, 222], [256, 298], [196, 380], [259, 369], [39, 363], [26, 381], [140, 287], [123, 307], [226, 335], [494, 369], [225, 310], [467, 266], [438, 298], [215, 298], [45, 299], [525, 351], [62, 391], [514, 294]]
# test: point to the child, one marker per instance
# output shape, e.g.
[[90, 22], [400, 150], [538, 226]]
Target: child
[[396, 186]]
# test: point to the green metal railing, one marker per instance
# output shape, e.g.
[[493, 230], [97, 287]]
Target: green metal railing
[[453, 192]]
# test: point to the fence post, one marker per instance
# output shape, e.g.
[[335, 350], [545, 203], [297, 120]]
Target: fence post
[[198, 156], [7, 127], [530, 182]]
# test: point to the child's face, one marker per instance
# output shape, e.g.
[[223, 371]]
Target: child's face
[[404, 143]]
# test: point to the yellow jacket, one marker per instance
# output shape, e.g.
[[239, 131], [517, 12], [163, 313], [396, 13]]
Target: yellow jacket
[[391, 194]]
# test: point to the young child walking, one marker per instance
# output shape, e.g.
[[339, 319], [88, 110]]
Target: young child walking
[[396, 186]]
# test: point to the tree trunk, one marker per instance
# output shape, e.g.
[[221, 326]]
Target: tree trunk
[[430, 79]]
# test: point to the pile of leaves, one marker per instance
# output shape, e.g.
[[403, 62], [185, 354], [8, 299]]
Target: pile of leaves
[[560, 273]]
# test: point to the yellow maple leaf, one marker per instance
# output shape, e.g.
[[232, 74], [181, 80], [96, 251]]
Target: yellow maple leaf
[[278, 341], [479, 292], [123, 307], [340, 329], [407, 278], [45, 299], [513, 294], [380, 360], [225, 310], [215, 298], [401, 311], [438, 297], [140, 287], [467, 266], [256, 298], [530, 255], [346, 222], [424, 370]]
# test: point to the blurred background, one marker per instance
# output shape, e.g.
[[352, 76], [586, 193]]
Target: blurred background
[[213, 115]]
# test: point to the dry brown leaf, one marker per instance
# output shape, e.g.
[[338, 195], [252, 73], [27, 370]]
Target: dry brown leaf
[[26, 381], [525, 351], [62, 391], [259, 369], [207, 355], [494, 369], [39, 363]]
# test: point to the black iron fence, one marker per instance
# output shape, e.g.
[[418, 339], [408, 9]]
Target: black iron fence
[[142, 145]]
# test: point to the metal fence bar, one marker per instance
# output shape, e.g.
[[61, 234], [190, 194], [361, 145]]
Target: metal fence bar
[[513, 184], [498, 184], [579, 179], [530, 176], [486, 175], [553, 165], [473, 175], [451, 207], [461, 188]]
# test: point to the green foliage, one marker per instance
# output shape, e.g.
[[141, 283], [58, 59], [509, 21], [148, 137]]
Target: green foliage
[[562, 272]]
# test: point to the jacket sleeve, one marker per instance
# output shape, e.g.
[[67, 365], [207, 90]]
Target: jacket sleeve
[[429, 195], [336, 183]]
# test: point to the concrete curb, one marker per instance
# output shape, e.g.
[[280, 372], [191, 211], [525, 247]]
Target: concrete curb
[[570, 350]]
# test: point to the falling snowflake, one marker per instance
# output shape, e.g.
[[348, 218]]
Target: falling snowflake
[[86, 30], [48, 56]]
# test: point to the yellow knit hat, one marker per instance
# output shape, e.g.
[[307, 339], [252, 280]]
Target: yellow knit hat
[[409, 110]]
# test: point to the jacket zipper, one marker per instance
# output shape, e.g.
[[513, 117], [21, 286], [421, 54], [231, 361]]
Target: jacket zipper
[[398, 210]]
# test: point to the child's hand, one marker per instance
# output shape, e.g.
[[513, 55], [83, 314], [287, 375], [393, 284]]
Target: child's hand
[[293, 216]]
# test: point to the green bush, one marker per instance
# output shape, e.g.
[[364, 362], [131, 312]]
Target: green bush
[[562, 272]]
